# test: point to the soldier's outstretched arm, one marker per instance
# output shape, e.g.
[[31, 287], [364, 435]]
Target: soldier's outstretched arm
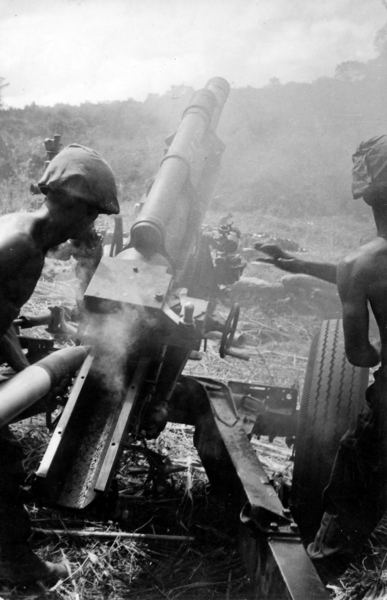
[[287, 262]]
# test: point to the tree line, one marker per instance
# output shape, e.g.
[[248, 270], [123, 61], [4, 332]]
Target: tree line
[[288, 147]]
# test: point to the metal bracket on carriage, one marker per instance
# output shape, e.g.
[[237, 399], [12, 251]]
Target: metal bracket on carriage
[[245, 468], [266, 410]]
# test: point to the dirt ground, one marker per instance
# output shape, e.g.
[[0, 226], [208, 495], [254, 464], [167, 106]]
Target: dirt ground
[[198, 556]]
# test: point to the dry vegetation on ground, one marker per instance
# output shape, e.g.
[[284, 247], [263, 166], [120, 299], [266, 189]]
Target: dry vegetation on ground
[[207, 566]]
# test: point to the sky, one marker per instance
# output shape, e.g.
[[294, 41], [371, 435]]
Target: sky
[[74, 51]]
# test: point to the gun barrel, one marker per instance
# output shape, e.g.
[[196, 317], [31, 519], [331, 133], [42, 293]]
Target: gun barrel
[[221, 89], [29, 386], [178, 182]]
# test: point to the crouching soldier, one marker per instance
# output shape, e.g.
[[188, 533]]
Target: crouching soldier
[[78, 185]]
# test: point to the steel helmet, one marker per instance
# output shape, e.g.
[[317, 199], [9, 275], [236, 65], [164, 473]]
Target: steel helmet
[[83, 173]]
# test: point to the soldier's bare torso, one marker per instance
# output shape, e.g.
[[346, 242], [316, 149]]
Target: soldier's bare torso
[[362, 281], [21, 263]]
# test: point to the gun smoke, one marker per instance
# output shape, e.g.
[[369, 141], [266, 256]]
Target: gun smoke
[[114, 336]]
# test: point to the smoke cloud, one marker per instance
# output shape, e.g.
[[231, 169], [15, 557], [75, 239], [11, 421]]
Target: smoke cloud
[[90, 50]]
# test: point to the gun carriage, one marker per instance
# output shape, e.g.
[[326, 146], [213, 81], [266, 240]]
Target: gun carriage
[[149, 308]]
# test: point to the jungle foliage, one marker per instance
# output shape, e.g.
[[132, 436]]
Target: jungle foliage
[[288, 147]]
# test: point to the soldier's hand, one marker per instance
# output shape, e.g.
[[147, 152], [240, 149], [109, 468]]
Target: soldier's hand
[[278, 257]]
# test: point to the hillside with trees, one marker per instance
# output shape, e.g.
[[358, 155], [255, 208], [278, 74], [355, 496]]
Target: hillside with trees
[[288, 147]]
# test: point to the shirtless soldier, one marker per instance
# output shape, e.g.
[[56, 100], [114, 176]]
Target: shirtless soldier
[[79, 185], [356, 496]]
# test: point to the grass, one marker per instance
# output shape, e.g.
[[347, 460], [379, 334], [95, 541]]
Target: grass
[[278, 339]]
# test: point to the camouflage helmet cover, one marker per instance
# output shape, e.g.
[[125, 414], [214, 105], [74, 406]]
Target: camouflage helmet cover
[[369, 171], [84, 174]]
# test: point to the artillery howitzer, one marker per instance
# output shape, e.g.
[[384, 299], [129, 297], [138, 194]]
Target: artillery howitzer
[[149, 307]]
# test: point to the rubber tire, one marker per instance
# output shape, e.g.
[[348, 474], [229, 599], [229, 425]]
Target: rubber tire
[[333, 396]]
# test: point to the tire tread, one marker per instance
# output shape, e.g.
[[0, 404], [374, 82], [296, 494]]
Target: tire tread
[[333, 394]]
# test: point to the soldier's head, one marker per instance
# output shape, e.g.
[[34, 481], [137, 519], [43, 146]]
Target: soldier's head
[[79, 183], [369, 172]]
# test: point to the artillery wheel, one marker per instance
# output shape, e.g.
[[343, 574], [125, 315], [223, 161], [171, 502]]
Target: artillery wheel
[[333, 395], [229, 330]]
